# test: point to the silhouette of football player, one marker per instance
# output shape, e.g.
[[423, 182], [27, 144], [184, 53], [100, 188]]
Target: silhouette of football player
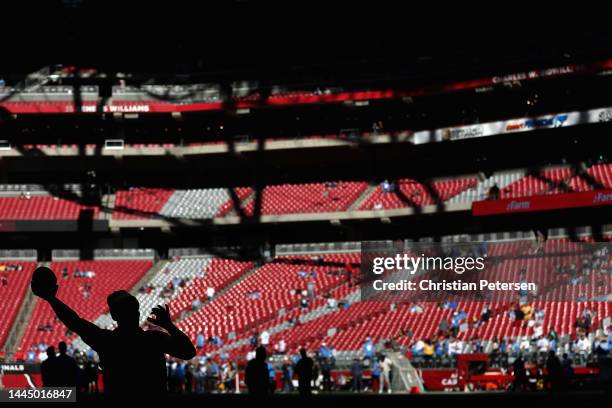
[[128, 343]]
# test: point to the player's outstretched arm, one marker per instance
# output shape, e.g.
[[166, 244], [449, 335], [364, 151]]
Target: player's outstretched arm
[[44, 285]]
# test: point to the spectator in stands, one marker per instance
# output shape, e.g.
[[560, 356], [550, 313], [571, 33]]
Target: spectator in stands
[[30, 356], [587, 319], [253, 339], [514, 347], [583, 346], [324, 351], [42, 355], [304, 370], [254, 295], [543, 346], [257, 375], [428, 352], [518, 313], [368, 347], [117, 346], [443, 327], [416, 309], [49, 369], [281, 347], [538, 330], [332, 303], [454, 347], [539, 315], [553, 344], [264, 338], [494, 192], [417, 349], [210, 293], [311, 290], [455, 323], [538, 243], [196, 304], [525, 344], [451, 304], [600, 344], [527, 311], [485, 315], [387, 187], [440, 348]]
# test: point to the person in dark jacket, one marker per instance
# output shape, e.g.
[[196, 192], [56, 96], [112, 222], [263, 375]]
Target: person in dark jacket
[[555, 372], [326, 368], [304, 370], [68, 370], [257, 374], [48, 369], [520, 374], [357, 373]]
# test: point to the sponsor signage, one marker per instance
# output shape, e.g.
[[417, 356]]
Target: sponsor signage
[[557, 120], [440, 380], [13, 368], [542, 203]]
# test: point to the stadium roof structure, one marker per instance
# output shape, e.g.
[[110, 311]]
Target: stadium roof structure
[[297, 41]]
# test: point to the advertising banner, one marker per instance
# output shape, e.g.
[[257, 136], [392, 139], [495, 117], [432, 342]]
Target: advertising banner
[[542, 202]]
